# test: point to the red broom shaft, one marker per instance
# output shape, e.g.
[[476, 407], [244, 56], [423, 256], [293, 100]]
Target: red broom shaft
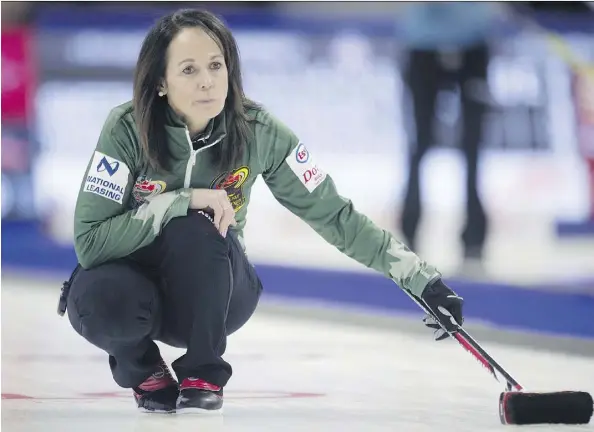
[[482, 356], [473, 347]]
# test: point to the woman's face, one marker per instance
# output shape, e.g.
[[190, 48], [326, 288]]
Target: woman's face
[[196, 79]]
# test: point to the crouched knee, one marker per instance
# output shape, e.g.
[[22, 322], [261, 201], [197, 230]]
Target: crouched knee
[[113, 302], [189, 233]]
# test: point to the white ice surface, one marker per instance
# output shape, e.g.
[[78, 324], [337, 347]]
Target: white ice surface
[[289, 375]]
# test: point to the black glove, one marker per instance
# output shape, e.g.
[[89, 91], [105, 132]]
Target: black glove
[[446, 305]]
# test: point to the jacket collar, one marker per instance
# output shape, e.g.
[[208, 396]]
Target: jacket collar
[[215, 131]]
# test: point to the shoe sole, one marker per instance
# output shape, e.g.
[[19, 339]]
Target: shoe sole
[[147, 411], [200, 411]]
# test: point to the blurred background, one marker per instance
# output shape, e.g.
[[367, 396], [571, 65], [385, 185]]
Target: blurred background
[[508, 87]]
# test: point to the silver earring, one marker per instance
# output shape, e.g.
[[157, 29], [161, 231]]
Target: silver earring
[[161, 94]]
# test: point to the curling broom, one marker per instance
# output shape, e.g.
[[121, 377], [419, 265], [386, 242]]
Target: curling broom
[[516, 406]]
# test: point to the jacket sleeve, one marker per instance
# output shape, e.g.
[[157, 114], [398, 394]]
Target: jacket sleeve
[[303, 187], [104, 226]]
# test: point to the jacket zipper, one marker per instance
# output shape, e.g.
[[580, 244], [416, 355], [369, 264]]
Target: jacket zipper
[[192, 159]]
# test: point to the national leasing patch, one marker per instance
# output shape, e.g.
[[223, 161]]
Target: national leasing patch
[[107, 177]]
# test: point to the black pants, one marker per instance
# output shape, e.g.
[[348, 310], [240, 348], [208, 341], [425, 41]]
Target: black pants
[[425, 75], [190, 288]]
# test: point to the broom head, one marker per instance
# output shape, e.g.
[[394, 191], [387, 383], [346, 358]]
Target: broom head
[[568, 407]]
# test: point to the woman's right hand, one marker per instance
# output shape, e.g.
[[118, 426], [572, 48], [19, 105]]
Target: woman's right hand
[[217, 201]]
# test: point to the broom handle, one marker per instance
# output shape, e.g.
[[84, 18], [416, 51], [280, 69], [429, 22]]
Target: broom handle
[[479, 352], [473, 347]]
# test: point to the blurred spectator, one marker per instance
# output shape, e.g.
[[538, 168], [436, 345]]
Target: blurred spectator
[[447, 43]]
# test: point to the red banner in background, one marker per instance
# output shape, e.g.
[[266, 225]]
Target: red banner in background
[[17, 74]]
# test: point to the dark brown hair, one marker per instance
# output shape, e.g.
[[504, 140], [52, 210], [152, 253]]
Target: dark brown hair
[[150, 109]]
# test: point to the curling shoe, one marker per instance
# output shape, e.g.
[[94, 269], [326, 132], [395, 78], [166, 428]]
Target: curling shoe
[[199, 397], [159, 392]]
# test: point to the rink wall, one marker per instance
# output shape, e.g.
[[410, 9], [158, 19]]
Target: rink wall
[[540, 309]]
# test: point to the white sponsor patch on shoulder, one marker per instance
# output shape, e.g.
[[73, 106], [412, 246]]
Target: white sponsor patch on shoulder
[[303, 165], [107, 177]]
